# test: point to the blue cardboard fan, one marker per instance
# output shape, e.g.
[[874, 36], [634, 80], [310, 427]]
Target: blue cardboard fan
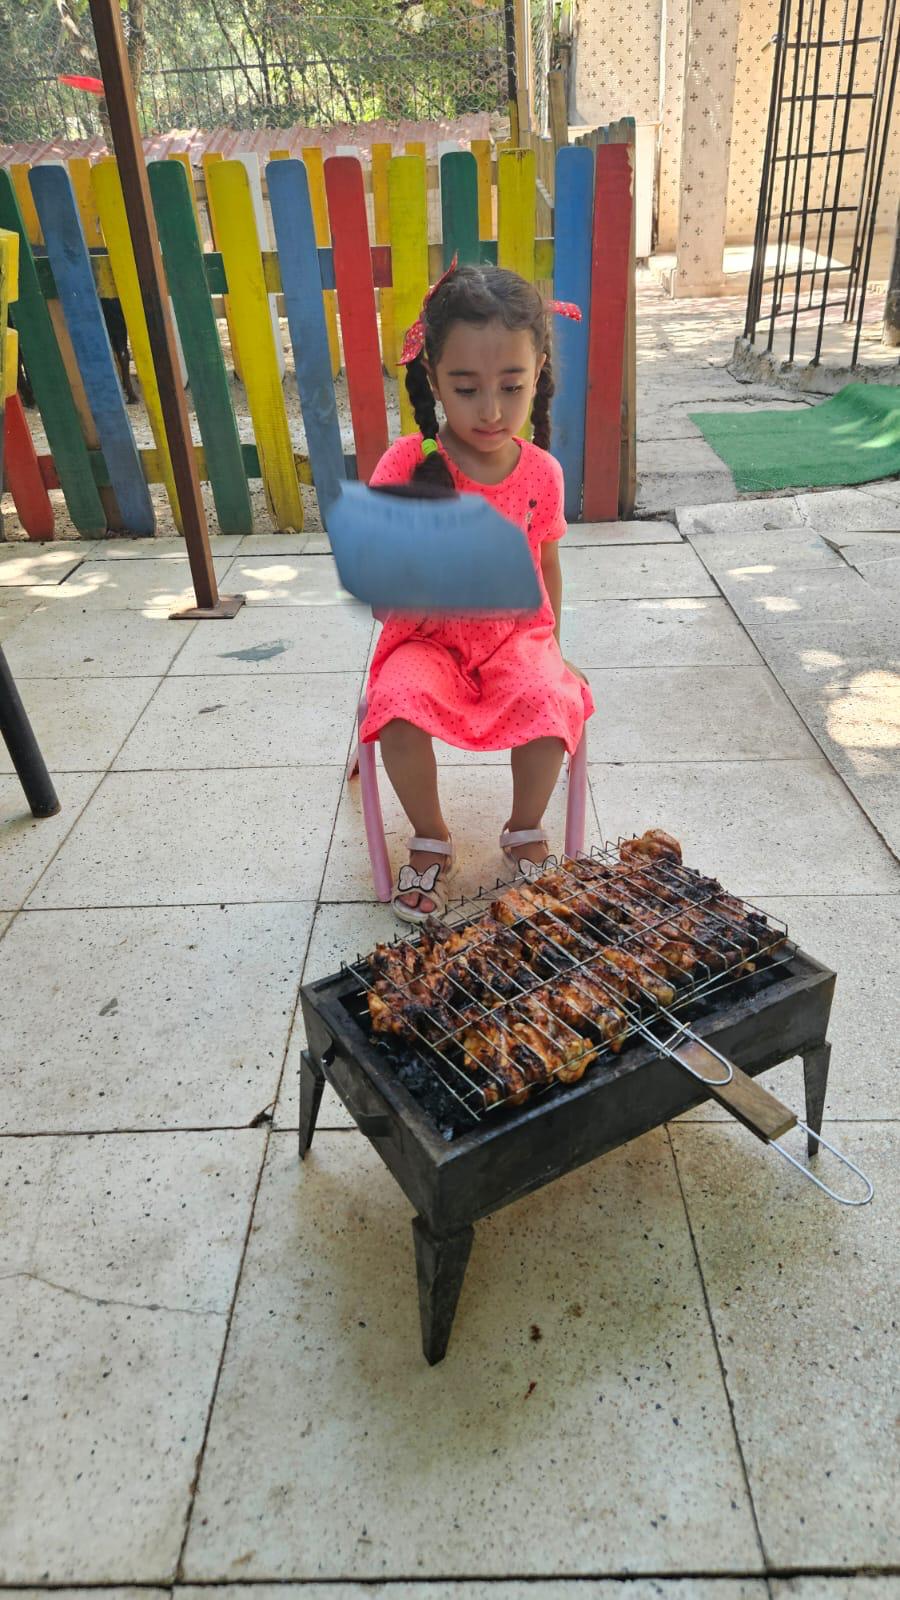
[[441, 553]]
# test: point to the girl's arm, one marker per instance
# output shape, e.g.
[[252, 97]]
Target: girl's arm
[[552, 572]]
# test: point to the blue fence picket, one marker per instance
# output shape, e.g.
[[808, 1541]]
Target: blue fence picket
[[572, 281], [302, 287], [71, 263]]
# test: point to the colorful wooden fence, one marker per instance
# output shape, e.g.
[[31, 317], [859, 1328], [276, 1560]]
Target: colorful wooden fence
[[325, 278]]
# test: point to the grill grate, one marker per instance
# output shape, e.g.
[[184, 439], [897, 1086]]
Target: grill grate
[[612, 932]]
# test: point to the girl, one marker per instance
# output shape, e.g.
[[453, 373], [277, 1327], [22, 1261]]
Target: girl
[[481, 347]]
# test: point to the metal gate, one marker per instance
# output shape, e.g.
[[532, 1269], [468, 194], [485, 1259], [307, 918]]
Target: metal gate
[[833, 87]]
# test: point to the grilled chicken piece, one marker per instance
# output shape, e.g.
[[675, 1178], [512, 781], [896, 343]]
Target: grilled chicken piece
[[583, 1004], [651, 846], [565, 1053], [503, 1063], [644, 973], [531, 906]]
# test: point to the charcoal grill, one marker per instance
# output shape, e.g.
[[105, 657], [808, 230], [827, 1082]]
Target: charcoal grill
[[461, 1145]]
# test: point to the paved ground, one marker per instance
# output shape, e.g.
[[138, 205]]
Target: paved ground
[[211, 1370]]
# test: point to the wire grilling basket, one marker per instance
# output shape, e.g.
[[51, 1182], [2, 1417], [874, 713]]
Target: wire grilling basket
[[524, 989], [473, 974]]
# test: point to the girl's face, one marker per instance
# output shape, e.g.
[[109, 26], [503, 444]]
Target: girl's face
[[485, 380]]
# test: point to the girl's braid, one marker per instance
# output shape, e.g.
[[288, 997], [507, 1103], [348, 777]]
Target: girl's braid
[[540, 410], [432, 469]]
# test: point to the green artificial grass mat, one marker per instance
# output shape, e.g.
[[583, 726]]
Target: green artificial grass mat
[[853, 437]]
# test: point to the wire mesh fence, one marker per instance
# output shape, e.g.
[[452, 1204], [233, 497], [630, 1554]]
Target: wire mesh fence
[[260, 63]]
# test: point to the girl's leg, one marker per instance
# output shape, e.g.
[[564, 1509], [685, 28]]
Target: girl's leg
[[535, 769], [408, 755]]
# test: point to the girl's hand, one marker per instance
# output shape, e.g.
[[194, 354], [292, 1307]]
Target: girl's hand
[[577, 670]]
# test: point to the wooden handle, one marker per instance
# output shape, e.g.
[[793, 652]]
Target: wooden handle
[[743, 1097]]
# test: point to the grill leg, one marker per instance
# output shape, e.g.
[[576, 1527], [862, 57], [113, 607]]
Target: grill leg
[[312, 1082], [440, 1268], [815, 1080]]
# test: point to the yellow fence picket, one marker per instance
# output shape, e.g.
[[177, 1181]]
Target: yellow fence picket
[[381, 158], [110, 205], [416, 147], [409, 252], [516, 194], [19, 171], [314, 162], [79, 169], [252, 319], [210, 159], [481, 150]]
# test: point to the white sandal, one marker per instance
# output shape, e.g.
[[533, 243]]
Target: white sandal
[[432, 882], [510, 842]]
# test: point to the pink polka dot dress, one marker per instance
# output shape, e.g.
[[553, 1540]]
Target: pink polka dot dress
[[481, 683]]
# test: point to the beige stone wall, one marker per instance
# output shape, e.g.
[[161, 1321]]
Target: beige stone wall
[[617, 74]]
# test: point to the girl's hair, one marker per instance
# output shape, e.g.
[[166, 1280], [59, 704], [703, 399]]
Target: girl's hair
[[477, 295]]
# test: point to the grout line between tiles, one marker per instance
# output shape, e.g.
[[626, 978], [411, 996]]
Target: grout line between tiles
[[715, 1339], [383, 1582]]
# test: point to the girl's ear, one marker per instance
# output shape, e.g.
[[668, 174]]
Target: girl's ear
[[542, 359]]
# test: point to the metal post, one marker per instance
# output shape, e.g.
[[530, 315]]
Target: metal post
[[119, 91], [892, 303], [23, 747]]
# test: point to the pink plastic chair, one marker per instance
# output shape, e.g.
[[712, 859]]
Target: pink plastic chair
[[362, 761]]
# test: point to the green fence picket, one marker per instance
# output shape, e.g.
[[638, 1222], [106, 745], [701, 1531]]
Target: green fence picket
[[49, 381], [186, 274], [459, 207]]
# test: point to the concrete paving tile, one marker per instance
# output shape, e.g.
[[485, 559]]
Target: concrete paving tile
[[289, 581], [882, 572], [549, 1589], [27, 843], [273, 544], [762, 827], [835, 510], [764, 595], [331, 1472], [340, 933], [633, 573], [693, 714], [864, 541], [659, 493], [741, 516], [675, 422], [885, 489], [134, 585], [147, 1018], [298, 639], [6, 918], [120, 1592], [185, 838], [33, 565], [654, 633], [124, 549], [736, 553], [65, 642], [234, 721], [844, 680], [855, 1587], [858, 936], [81, 723], [801, 1292], [120, 1257], [874, 548], [693, 457], [14, 611], [476, 805], [618, 533]]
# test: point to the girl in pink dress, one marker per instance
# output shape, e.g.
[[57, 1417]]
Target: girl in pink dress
[[482, 348]]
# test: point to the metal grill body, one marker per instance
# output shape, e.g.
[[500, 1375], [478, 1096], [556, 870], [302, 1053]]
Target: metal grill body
[[496, 1152]]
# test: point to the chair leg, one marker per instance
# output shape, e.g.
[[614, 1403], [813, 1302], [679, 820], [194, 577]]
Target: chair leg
[[576, 799], [378, 850], [353, 765]]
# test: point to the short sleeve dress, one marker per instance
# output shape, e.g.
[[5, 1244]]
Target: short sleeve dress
[[481, 683]]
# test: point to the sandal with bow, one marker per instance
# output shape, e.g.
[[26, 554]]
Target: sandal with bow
[[512, 841], [431, 882]]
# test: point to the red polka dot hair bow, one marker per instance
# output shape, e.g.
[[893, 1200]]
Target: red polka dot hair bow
[[414, 342], [565, 308], [415, 336]]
